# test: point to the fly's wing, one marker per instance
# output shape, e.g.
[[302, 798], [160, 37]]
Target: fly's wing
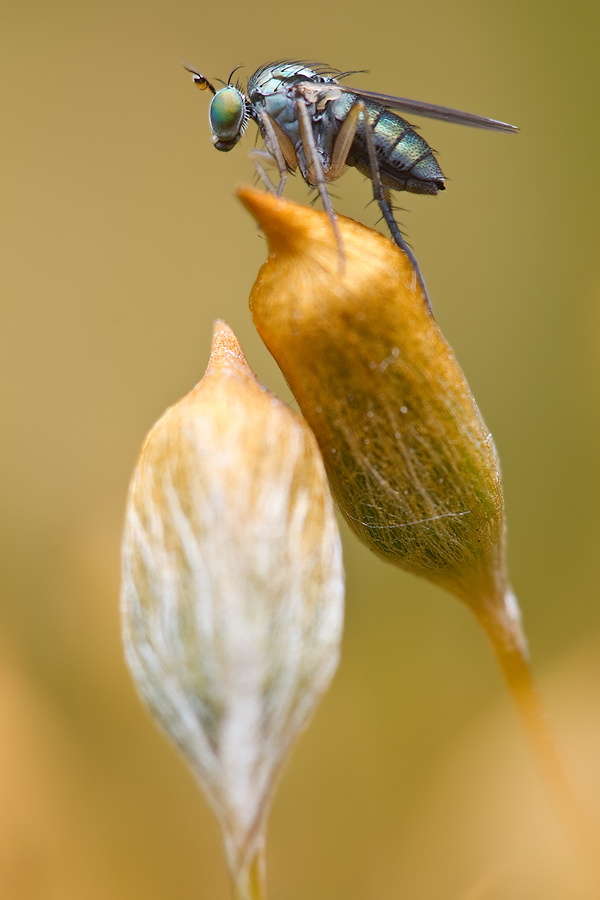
[[430, 110]]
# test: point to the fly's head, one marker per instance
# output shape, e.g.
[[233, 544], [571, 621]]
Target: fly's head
[[228, 117], [228, 112]]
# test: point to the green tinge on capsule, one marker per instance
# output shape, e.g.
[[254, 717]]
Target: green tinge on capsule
[[226, 114]]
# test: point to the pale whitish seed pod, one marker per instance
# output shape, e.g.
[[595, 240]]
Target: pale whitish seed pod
[[232, 592]]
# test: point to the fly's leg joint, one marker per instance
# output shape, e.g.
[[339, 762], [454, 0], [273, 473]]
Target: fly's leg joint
[[260, 158], [383, 199], [316, 175], [274, 150]]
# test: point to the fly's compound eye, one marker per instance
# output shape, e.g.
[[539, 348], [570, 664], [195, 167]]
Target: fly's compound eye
[[227, 116]]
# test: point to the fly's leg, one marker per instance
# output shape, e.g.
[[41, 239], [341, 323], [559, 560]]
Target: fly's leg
[[274, 150], [343, 143], [382, 195], [260, 158], [315, 169], [341, 149]]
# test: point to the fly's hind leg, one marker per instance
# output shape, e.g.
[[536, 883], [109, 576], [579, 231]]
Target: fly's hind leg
[[382, 195]]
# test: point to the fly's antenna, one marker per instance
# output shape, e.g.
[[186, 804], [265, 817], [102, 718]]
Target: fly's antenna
[[239, 66], [228, 82], [198, 79]]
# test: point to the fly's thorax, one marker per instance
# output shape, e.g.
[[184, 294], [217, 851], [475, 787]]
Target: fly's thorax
[[227, 116], [343, 104], [278, 76], [281, 108]]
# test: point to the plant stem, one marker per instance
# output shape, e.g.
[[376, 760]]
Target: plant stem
[[249, 884], [503, 628]]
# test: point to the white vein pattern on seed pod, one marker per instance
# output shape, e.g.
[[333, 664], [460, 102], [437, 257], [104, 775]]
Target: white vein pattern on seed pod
[[232, 594]]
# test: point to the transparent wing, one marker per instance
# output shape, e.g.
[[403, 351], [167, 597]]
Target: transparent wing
[[430, 110]]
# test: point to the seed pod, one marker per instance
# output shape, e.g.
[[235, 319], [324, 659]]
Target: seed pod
[[409, 458], [232, 590]]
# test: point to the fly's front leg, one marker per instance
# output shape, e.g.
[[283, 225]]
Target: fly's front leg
[[315, 169], [383, 198], [274, 150], [260, 158]]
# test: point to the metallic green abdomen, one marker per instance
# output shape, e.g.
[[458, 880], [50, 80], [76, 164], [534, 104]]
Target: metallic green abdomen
[[405, 160]]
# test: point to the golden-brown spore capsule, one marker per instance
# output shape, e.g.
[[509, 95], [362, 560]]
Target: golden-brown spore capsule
[[410, 460], [411, 463]]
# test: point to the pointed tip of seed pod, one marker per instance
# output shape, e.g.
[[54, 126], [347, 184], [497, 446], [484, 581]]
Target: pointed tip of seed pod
[[225, 352], [304, 237], [223, 339], [283, 231]]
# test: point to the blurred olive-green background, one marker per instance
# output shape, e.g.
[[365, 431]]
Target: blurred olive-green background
[[121, 242]]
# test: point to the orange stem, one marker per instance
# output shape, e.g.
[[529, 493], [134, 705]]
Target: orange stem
[[503, 628]]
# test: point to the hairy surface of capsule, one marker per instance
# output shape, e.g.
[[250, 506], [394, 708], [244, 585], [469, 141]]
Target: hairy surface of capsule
[[410, 460], [232, 595]]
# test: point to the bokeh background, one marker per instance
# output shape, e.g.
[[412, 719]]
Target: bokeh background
[[121, 242]]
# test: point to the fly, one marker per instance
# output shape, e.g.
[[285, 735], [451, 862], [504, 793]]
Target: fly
[[311, 122]]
